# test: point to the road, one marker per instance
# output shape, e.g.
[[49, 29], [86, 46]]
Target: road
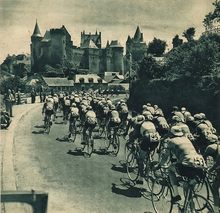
[[74, 183]]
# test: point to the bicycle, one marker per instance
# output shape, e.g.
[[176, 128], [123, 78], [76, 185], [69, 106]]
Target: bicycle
[[88, 146], [132, 165], [162, 195], [47, 123], [113, 141], [73, 129]]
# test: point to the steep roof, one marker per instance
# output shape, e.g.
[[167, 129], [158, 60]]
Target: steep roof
[[47, 36], [89, 44], [137, 35], [62, 82], [36, 32], [87, 77], [115, 43]]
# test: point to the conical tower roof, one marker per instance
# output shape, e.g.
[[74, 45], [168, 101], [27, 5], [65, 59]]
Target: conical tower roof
[[36, 32], [137, 35]]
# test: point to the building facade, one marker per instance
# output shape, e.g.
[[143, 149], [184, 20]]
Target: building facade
[[56, 47]]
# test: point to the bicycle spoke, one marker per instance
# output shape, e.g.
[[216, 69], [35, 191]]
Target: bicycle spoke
[[132, 167]]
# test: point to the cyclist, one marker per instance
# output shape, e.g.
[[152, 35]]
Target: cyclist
[[189, 163], [61, 100], [201, 133], [158, 111], [56, 103], [66, 109], [175, 111], [203, 117], [213, 150], [149, 108], [134, 122], [176, 121], [74, 114], [90, 123], [185, 113], [149, 141], [160, 122], [122, 108], [113, 119], [48, 108]]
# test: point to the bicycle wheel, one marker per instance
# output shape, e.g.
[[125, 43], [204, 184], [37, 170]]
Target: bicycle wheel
[[101, 130], [128, 148], [73, 131], [89, 146], [161, 196], [115, 144], [148, 173], [132, 167], [201, 204], [47, 125]]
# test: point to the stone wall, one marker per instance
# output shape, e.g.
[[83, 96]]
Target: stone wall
[[196, 96]]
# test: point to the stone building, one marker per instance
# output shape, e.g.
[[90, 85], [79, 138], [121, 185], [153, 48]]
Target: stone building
[[56, 47], [136, 49], [136, 46]]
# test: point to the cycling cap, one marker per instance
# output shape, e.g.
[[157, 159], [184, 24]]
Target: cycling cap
[[203, 116], [89, 108], [176, 118], [212, 138], [140, 118], [49, 96], [148, 104], [190, 118], [175, 107], [155, 106], [197, 117], [144, 107], [76, 95], [183, 109], [176, 130], [122, 101], [112, 107], [73, 104], [146, 113]]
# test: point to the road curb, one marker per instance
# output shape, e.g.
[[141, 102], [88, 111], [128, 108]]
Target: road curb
[[8, 173]]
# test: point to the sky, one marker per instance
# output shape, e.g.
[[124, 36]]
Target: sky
[[115, 19]]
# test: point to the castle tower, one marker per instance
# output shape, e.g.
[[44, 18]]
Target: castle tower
[[117, 57], [35, 46]]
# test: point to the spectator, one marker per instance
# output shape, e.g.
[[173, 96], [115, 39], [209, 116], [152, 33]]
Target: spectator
[[9, 98], [14, 99], [33, 95], [19, 96], [41, 94]]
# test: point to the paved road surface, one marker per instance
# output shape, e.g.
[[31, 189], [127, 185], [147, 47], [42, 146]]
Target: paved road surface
[[74, 183]]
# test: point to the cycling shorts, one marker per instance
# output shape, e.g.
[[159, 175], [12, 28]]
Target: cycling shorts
[[189, 172], [48, 112]]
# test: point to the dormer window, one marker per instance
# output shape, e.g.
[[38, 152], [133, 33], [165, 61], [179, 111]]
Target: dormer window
[[99, 80], [81, 80], [91, 80]]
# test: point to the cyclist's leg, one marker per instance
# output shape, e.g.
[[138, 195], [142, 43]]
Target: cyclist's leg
[[173, 179], [142, 155], [216, 187]]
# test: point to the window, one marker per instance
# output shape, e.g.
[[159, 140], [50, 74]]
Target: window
[[81, 80], [91, 80], [99, 80]]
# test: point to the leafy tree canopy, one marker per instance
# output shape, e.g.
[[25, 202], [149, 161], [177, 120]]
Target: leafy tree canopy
[[208, 20], [189, 34], [194, 59], [157, 47]]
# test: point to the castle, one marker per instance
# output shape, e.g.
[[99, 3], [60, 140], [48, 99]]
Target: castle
[[56, 47]]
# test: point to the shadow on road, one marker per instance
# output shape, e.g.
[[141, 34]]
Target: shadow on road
[[76, 152], [130, 191], [121, 168], [38, 132], [63, 139], [39, 126], [101, 151]]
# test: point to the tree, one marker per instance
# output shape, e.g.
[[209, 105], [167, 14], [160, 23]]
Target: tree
[[157, 47], [208, 20], [194, 59], [150, 68], [189, 34], [177, 41]]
